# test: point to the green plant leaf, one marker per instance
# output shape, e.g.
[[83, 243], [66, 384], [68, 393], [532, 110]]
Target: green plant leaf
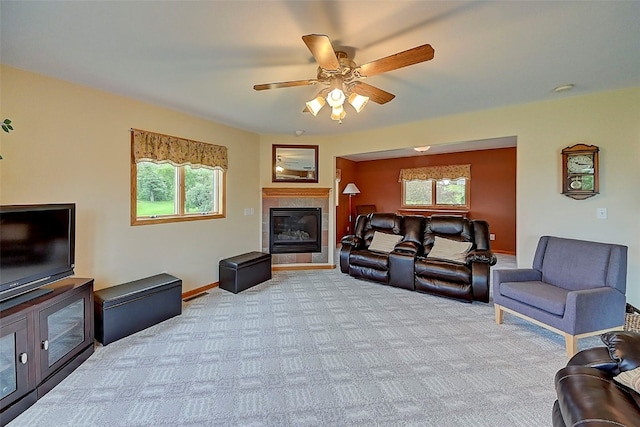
[[7, 122], [5, 128]]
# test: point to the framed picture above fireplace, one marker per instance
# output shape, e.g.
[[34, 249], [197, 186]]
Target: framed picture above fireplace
[[295, 163]]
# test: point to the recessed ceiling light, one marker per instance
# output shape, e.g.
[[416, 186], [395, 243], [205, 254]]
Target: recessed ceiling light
[[422, 149], [563, 88], [299, 132]]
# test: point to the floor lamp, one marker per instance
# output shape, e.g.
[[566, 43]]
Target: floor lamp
[[351, 190]]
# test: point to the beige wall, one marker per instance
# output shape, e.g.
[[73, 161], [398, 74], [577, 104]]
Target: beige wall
[[609, 120], [72, 144]]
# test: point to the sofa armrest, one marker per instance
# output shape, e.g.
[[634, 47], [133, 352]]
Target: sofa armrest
[[484, 256], [595, 357], [401, 267], [408, 248], [480, 281], [587, 396], [345, 254], [624, 348], [516, 275], [605, 304], [351, 240]]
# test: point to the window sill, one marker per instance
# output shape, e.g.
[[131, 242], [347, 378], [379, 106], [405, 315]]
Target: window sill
[[432, 211], [168, 219]]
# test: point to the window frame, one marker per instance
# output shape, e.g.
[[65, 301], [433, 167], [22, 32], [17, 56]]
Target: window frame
[[180, 197], [437, 206]]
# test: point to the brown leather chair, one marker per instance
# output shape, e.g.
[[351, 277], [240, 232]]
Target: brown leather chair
[[588, 394], [394, 267], [408, 264], [466, 279]]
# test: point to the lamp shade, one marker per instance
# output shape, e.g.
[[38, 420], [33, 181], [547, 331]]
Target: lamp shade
[[338, 113], [358, 101], [316, 104], [336, 97], [351, 189]]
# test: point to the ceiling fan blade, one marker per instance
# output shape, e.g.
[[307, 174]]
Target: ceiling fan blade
[[398, 60], [376, 95], [291, 83], [322, 51]]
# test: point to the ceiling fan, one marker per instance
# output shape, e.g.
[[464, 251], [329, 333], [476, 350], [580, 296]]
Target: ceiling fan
[[341, 77]]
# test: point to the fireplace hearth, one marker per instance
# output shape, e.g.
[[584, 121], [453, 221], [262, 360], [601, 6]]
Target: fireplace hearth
[[295, 230]]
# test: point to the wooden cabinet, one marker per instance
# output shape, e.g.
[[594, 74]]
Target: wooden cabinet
[[42, 341], [15, 351]]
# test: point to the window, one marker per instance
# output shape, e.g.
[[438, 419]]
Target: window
[[175, 180], [435, 193], [434, 187]]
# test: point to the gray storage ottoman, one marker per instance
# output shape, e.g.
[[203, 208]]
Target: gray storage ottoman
[[131, 307], [244, 271]]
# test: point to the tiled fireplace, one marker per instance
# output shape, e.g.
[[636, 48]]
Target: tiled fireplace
[[296, 198]]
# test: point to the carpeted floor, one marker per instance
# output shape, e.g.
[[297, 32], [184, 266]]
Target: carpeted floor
[[316, 348]]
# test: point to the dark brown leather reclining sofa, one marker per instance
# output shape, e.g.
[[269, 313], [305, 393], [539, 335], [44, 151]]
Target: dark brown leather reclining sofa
[[408, 261], [588, 394]]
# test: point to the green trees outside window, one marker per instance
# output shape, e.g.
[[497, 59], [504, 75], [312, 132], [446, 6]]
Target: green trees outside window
[[164, 190], [435, 193]]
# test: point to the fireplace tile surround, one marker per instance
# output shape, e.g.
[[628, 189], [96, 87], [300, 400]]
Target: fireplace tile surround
[[280, 197]]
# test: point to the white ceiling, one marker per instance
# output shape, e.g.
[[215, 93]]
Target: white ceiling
[[204, 57]]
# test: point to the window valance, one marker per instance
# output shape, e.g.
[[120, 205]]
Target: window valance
[[155, 147], [435, 173]]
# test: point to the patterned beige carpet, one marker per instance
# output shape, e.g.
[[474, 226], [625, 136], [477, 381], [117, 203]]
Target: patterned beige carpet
[[316, 348]]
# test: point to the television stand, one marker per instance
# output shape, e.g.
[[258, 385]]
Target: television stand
[[27, 296], [42, 340]]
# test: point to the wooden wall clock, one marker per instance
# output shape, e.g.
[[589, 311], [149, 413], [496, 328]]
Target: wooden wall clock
[[580, 171]]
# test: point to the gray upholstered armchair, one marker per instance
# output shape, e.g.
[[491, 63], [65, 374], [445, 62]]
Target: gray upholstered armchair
[[576, 288]]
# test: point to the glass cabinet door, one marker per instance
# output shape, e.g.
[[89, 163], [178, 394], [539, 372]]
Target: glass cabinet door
[[66, 330], [14, 358], [63, 328]]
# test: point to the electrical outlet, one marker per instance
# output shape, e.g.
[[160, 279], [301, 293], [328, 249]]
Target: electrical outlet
[[492, 236]]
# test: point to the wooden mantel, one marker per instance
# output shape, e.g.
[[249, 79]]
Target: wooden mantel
[[295, 192]]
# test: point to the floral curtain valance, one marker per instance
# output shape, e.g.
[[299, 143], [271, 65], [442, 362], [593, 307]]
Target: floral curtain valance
[[155, 147], [436, 172]]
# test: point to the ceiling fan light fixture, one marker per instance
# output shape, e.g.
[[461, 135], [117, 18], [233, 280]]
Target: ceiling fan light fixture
[[422, 149], [315, 105], [358, 101], [338, 113], [339, 75], [336, 97]]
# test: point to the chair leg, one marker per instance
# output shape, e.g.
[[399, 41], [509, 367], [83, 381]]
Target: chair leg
[[499, 314], [571, 342]]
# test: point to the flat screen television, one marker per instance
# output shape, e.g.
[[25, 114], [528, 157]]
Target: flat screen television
[[37, 247]]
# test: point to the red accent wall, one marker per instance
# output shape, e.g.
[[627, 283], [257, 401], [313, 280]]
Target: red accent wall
[[348, 174], [492, 197]]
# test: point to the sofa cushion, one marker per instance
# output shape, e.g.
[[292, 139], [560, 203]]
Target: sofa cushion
[[630, 379], [383, 242], [624, 348], [369, 259], [447, 224], [385, 221], [443, 270], [450, 250], [537, 294], [575, 264]]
